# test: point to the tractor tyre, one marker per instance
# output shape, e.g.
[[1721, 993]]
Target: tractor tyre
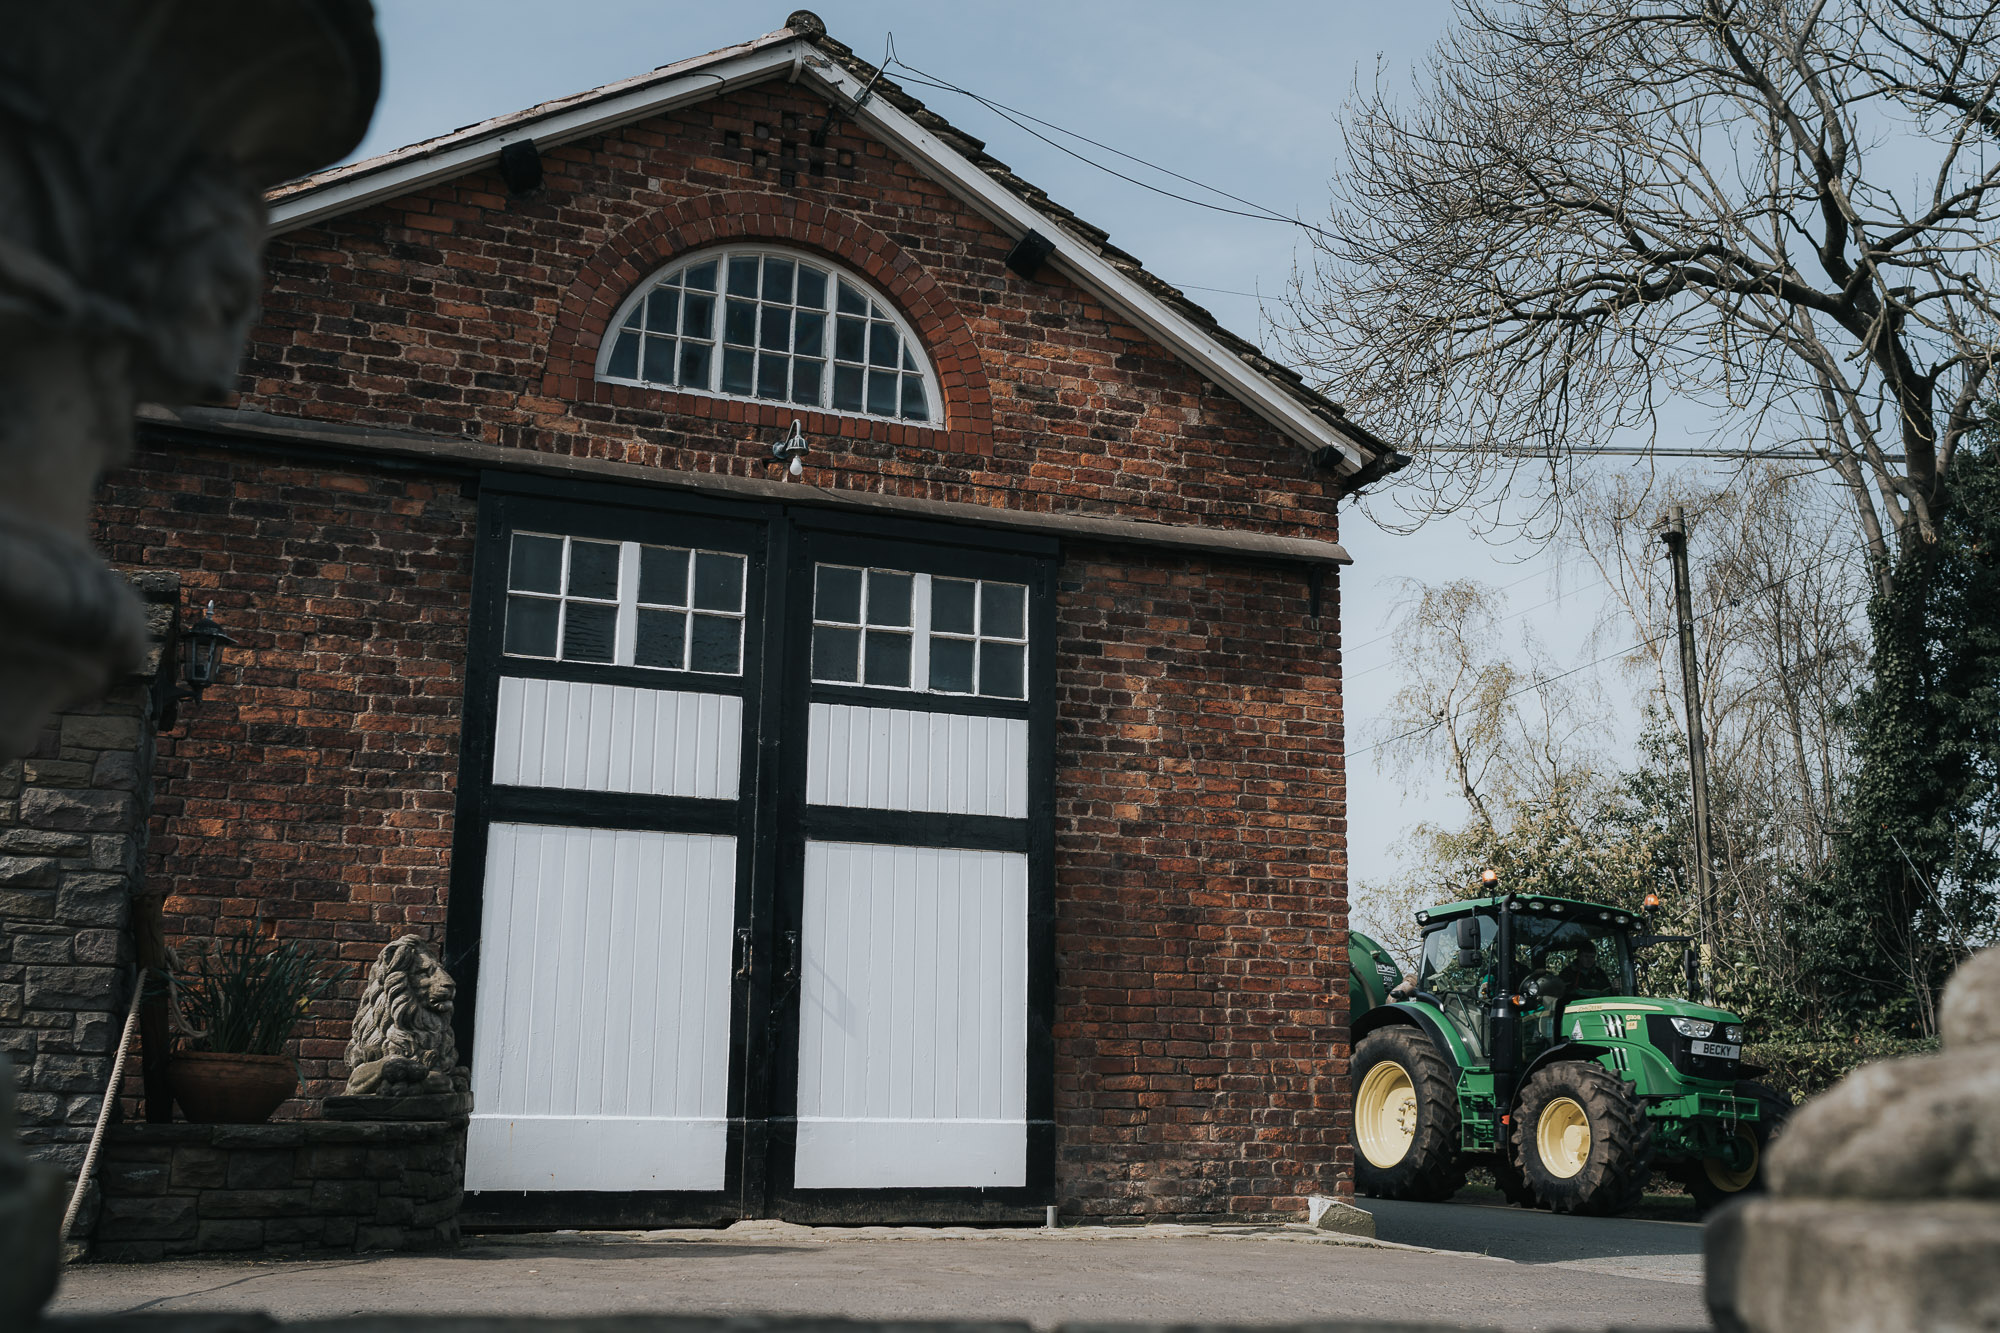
[[1513, 1185], [1710, 1181], [1582, 1140], [1405, 1118]]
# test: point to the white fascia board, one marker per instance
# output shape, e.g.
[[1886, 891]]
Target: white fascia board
[[345, 195], [1006, 209]]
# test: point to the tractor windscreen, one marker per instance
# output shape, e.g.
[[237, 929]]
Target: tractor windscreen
[[1587, 959]]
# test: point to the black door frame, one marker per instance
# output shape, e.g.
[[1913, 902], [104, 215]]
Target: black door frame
[[770, 823]]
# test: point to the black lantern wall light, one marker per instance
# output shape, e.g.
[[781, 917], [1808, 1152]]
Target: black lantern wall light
[[200, 650]]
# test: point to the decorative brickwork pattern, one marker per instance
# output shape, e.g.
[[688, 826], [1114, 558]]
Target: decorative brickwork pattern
[[304, 1187], [463, 311]]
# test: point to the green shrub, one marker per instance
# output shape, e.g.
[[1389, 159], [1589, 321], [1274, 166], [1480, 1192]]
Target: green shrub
[[1804, 1068], [244, 997]]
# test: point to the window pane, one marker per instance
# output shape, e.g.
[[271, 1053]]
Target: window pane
[[888, 598], [536, 565], [662, 637], [883, 346], [951, 606], [588, 631], [698, 316], [838, 596], [772, 372], [663, 310], [637, 319], [836, 653], [1001, 610], [847, 388], [718, 581], [736, 368], [701, 276], [663, 575], [777, 279], [951, 665], [739, 324], [743, 276], [811, 333], [694, 365], [851, 302], [624, 362], [716, 644], [805, 381], [888, 659], [916, 405], [1000, 672], [531, 626], [910, 362], [882, 392], [593, 569], [775, 331], [659, 361], [812, 287], [850, 337]]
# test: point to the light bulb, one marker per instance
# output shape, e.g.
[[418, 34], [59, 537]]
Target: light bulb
[[798, 468]]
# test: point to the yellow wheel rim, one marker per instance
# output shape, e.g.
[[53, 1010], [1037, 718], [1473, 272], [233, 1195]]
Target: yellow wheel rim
[[1733, 1182], [1385, 1114], [1562, 1136]]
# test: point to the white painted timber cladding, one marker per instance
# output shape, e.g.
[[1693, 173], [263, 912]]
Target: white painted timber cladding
[[903, 759], [601, 1034], [913, 1018], [564, 733]]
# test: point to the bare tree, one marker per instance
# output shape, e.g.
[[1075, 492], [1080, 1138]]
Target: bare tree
[[1786, 210]]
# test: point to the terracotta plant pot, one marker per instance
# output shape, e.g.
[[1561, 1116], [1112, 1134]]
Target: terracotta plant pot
[[215, 1088]]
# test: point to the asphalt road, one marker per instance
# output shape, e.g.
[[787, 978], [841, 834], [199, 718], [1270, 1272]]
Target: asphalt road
[[1661, 1251], [1164, 1274]]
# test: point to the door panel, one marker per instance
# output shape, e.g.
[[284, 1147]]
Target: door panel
[[904, 759], [601, 1061], [913, 1018], [597, 737]]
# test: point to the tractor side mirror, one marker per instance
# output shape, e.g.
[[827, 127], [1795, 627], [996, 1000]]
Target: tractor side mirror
[[1468, 942]]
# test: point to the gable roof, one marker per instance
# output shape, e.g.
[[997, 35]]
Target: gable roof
[[802, 52]]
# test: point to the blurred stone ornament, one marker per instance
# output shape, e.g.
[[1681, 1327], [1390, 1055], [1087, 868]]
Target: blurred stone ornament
[[136, 140]]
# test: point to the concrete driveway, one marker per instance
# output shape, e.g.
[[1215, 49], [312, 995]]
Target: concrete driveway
[[1122, 1274], [1625, 1247]]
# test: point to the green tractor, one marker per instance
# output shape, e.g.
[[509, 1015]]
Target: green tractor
[[1523, 1047]]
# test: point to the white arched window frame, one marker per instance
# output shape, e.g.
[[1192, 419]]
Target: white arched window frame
[[773, 325]]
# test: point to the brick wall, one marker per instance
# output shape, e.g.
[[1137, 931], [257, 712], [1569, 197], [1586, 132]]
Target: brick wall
[[314, 785], [1201, 849], [1200, 904], [73, 827]]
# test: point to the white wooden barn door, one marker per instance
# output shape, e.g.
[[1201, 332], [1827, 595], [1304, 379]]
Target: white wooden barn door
[[606, 1046], [752, 898], [915, 859]]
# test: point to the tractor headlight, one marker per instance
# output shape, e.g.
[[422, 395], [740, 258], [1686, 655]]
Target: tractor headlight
[[1732, 1032], [1693, 1027]]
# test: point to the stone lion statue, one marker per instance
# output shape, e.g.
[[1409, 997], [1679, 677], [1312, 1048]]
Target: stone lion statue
[[402, 1044]]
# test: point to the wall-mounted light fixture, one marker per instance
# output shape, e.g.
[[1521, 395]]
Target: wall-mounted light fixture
[[791, 450], [200, 649]]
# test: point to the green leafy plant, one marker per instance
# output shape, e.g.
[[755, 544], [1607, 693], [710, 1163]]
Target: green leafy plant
[[243, 996]]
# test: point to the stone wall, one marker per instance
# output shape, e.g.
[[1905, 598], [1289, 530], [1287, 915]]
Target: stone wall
[[294, 1186], [73, 827]]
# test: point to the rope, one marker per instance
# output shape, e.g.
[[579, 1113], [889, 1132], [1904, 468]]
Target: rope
[[104, 1111]]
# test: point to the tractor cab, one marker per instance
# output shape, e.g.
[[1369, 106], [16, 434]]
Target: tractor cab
[[1523, 1046]]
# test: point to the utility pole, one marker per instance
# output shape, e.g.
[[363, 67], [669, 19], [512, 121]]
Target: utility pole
[[1672, 530]]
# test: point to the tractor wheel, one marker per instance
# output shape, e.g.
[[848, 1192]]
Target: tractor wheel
[[1513, 1185], [1405, 1118], [1582, 1140], [1710, 1181]]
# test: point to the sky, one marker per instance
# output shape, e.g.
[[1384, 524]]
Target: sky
[[1245, 97]]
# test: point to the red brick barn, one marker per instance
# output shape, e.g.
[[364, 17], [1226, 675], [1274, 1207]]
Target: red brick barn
[[937, 817]]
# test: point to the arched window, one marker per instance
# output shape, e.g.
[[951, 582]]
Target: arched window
[[774, 326]]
